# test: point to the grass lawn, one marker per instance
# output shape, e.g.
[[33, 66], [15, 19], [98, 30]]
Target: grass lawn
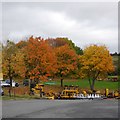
[[84, 84]]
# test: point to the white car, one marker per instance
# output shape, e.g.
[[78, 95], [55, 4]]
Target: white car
[[6, 83]]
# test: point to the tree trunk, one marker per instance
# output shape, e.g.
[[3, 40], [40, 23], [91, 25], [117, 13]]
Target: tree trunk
[[10, 85], [61, 82], [10, 76], [91, 86], [9, 91], [93, 83]]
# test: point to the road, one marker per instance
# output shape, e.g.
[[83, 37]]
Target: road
[[60, 109]]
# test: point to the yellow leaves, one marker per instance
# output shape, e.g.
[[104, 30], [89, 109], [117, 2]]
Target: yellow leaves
[[96, 58], [13, 63]]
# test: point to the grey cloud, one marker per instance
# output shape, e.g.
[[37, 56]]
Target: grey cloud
[[84, 23]]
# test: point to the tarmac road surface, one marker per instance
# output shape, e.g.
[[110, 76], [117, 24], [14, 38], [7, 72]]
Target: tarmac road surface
[[60, 109]]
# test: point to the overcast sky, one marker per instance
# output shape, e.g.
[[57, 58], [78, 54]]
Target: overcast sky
[[83, 23]]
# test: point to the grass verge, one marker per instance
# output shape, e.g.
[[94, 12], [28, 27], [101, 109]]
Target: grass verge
[[18, 97]]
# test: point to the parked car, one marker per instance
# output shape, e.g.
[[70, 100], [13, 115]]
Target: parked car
[[6, 83]]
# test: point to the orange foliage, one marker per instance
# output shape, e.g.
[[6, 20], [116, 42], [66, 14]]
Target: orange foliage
[[66, 60], [41, 58]]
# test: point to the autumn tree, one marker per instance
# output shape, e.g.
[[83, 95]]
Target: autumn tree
[[20, 63], [40, 59], [66, 61], [1, 60], [21, 44], [96, 60], [13, 62], [8, 52], [8, 61], [58, 42]]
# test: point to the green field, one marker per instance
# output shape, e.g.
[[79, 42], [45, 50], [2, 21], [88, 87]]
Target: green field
[[84, 84]]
